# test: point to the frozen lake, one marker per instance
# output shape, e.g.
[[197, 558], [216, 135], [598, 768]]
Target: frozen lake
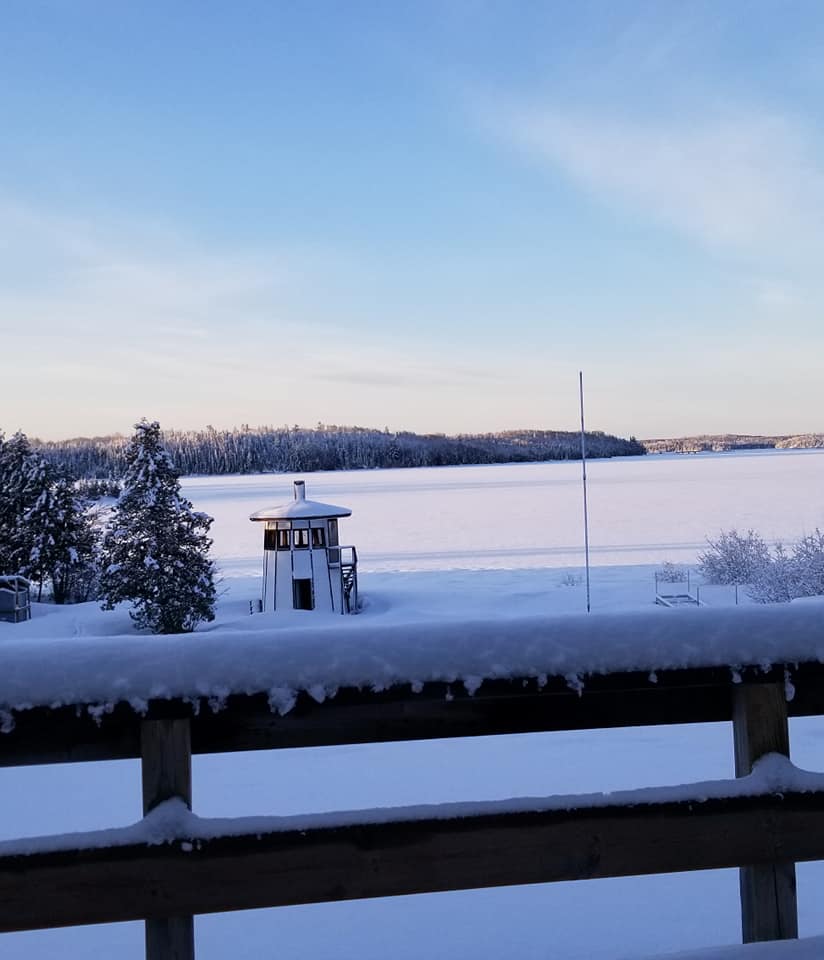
[[642, 509], [451, 540]]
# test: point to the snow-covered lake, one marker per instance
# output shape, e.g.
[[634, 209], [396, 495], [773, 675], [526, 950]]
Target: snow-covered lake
[[452, 542]]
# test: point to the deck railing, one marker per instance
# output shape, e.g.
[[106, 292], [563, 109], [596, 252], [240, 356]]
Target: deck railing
[[410, 851]]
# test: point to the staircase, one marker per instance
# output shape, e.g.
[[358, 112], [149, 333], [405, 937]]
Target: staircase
[[349, 579]]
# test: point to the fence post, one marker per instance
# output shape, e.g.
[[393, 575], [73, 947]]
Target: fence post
[[768, 902], [166, 754]]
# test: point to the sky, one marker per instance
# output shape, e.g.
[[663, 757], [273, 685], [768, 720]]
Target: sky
[[425, 216]]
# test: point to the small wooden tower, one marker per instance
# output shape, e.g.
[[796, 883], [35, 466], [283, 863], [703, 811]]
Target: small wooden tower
[[304, 565]]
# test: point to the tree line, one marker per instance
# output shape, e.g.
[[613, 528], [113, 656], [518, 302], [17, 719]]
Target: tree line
[[328, 447], [716, 443]]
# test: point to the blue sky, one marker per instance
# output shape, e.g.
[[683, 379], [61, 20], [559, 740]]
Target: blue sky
[[425, 216]]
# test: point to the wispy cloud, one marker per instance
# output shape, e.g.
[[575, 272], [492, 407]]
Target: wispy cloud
[[112, 321], [737, 181]]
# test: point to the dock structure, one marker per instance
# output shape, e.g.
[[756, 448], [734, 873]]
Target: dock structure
[[676, 593]]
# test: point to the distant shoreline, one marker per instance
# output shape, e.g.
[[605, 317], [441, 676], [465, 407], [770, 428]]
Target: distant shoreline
[[213, 452], [725, 442]]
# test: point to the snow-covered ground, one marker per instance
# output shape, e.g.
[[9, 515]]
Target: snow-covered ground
[[481, 543]]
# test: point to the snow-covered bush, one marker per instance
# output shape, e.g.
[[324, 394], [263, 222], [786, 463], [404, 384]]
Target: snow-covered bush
[[156, 547], [773, 576], [670, 572], [733, 558], [797, 573]]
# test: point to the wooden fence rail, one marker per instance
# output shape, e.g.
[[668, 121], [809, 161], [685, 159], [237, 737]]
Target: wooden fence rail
[[169, 883]]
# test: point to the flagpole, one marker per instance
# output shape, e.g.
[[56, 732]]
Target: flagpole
[[584, 481]]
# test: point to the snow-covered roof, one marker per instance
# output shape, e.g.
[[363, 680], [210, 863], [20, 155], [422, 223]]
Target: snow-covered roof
[[301, 509]]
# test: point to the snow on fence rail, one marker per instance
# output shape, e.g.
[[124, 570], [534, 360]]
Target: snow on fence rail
[[163, 702], [320, 660]]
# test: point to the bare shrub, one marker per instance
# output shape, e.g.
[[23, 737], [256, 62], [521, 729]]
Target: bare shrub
[[733, 558], [670, 572]]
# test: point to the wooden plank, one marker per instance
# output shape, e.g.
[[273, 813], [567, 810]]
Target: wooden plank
[[378, 860], [166, 755], [69, 734], [769, 910], [166, 765]]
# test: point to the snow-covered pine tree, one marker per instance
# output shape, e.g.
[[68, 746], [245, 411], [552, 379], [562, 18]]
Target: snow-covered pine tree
[[155, 551], [18, 493], [40, 526], [63, 537]]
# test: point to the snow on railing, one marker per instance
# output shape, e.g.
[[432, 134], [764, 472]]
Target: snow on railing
[[342, 652]]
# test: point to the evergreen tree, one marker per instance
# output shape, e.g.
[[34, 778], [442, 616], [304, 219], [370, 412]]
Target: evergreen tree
[[155, 550], [40, 528], [18, 493], [63, 539]]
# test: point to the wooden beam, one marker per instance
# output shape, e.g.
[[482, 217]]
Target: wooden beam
[[407, 857], [166, 764], [769, 910], [71, 734]]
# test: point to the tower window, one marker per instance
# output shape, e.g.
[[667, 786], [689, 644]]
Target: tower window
[[317, 537], [300, 539], [283, 539]]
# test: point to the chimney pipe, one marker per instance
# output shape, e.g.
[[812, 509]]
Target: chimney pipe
[[300, 490]]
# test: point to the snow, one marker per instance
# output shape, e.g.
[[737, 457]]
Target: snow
[[483, 545], [173, 822], [811, 948], [254, 656]]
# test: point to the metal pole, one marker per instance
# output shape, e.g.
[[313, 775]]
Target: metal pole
[[584, 479]]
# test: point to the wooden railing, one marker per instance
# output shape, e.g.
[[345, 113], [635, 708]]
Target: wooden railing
[[167, 884]]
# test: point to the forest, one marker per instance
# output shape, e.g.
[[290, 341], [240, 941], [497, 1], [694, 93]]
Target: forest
[[715, 443], [327, 447]]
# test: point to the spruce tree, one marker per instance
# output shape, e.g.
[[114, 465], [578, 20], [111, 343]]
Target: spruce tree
[[18, 493], [63, 538], [155, 551]]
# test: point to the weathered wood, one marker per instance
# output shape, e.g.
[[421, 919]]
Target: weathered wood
[[769, 910], [66, 735], [378, 860], [166, 755], [170, 938]]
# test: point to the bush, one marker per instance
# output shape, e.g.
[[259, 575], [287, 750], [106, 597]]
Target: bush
[[799, 573], [670, 572], [733, 558]]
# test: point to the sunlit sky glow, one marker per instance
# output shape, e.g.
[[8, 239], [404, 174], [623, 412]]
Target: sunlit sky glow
[[425, 216]]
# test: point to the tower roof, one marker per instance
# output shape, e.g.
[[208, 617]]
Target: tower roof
[[301, 509]]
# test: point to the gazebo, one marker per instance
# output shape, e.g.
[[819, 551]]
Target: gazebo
[[305, 567]]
